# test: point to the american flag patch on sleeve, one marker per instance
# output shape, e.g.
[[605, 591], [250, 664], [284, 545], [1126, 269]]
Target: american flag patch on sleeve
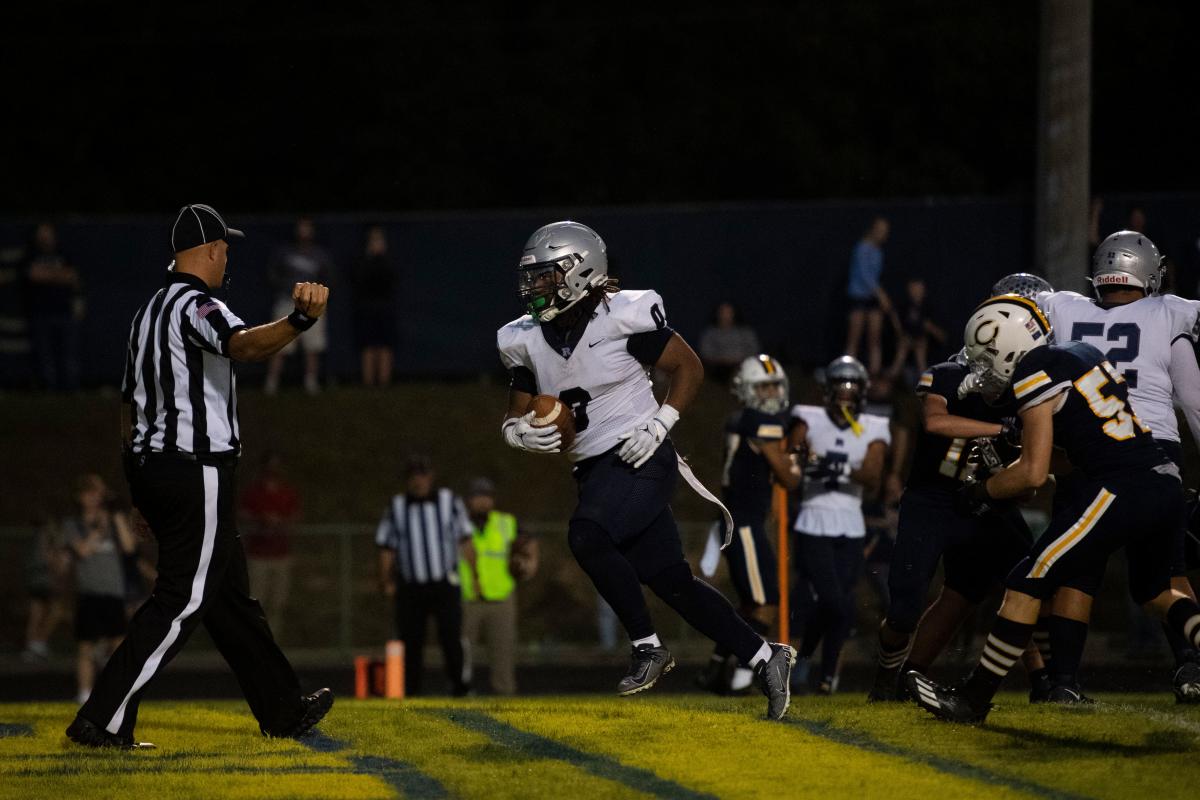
[[206, 309]]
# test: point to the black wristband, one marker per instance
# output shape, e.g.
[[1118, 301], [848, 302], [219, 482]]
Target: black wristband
[[301, 321]]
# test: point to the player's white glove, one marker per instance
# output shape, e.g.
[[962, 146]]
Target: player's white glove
[[641, 442], [519, 433], [969, 385]]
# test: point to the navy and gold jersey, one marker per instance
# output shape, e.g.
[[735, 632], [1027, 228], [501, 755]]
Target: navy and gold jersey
[[747, 478], [939, 462], [1093, 420]]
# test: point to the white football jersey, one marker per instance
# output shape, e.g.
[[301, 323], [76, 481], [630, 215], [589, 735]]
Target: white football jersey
[[1136, 338], [605, 386], [835, 509]]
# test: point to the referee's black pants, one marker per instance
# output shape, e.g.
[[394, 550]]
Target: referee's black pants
[[201, 578], [415, 603]]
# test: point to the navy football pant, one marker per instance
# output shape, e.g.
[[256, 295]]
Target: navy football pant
[[830, 565]]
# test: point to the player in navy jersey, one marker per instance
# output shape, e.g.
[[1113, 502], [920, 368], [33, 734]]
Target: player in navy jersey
[[756, 457], [1127, 497], [592, 346], [960, 438]]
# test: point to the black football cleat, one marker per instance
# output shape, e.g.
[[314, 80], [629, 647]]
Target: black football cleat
[[646, 665], [316, 706], [1040, 688], [715, 676], [1068, 695], [774, 678], [1187, 683], [88, 734], [945, 703]]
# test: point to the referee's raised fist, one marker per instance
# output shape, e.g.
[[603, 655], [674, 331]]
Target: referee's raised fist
[[310, 299]]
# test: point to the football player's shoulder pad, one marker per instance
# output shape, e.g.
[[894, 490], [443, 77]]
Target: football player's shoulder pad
[[759, 425], [1184, 316], [633, 311], [512, 340]]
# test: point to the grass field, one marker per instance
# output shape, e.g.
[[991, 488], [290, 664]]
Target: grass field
[[593, 747]]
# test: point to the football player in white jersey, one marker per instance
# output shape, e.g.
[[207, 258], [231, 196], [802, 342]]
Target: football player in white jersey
[[1151, 338], [591, 345], [846, 451]]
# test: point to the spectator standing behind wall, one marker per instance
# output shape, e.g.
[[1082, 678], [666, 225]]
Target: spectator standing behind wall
[[490, 558], [272, 506], [54, 303], [373, 284], [726, 342], [302, 261], [98, 537], [916, 330], [45, 571], [867, 299]]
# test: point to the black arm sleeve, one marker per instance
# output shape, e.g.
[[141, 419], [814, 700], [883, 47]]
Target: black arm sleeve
[[648, 347], [522, 380]]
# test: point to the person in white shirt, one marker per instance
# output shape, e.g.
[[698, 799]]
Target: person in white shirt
[[844, 451]]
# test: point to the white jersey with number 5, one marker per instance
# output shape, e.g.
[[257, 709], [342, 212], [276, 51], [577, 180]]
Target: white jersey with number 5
[[835, 508], [1137, 338], [600, 379]]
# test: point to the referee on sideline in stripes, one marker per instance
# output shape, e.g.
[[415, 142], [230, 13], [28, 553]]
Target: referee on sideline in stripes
[[179, 415], [420, 537]]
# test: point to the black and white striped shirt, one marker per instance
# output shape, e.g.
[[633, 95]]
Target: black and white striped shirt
[[425, 535], [178, 375]]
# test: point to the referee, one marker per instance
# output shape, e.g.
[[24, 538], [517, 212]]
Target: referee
[[419, 538], [181, 449]]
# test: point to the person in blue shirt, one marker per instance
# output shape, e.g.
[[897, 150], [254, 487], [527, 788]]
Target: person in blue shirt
[[867, 299]]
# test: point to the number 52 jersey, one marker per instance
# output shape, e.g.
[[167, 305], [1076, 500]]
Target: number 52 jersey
[[1136, 338], [599, 369]]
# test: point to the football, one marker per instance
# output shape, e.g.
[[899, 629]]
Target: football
[[549, 410]]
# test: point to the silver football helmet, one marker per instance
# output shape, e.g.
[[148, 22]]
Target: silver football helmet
[[846, 382], [998, 335], [760, 383], [560, 264], [1128, 259], [1025, 284]]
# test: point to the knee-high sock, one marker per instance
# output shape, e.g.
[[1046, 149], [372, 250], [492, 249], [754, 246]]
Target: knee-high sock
[[1004, 646], [1184, 617], [1067, 639]]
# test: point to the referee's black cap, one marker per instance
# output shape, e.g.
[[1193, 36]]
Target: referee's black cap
[[199, 224]]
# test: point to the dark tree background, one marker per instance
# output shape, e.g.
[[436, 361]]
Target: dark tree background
[[383, 105]]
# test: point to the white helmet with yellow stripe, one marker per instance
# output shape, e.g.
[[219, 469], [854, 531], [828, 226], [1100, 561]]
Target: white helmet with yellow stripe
[[760, 383], [998, 335]]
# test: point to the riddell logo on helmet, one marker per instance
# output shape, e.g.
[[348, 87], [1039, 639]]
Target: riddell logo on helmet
[[1111, 278]]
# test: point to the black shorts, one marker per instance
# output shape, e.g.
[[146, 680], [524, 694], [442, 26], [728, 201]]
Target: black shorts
[[1139, 511], [863, 303], [633, 506], [977, 551], [752, 565], [99, 616]]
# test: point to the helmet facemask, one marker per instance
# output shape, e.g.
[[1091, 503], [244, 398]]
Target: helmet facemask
[[847, 396], [548, 288], [768, 396]]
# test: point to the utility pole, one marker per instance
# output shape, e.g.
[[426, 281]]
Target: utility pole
[[1064, 142]]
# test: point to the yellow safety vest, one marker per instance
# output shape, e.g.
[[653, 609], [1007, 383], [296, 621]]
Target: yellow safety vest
[[492, 545]]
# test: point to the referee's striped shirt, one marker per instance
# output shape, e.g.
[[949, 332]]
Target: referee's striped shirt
[[425, 535], [178, 375]]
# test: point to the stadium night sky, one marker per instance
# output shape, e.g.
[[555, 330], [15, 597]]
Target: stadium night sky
[[379, 105]]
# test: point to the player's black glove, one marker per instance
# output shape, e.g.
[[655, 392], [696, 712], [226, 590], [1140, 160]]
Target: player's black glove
[[972, 499], [827, 468], [1010, 431]]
